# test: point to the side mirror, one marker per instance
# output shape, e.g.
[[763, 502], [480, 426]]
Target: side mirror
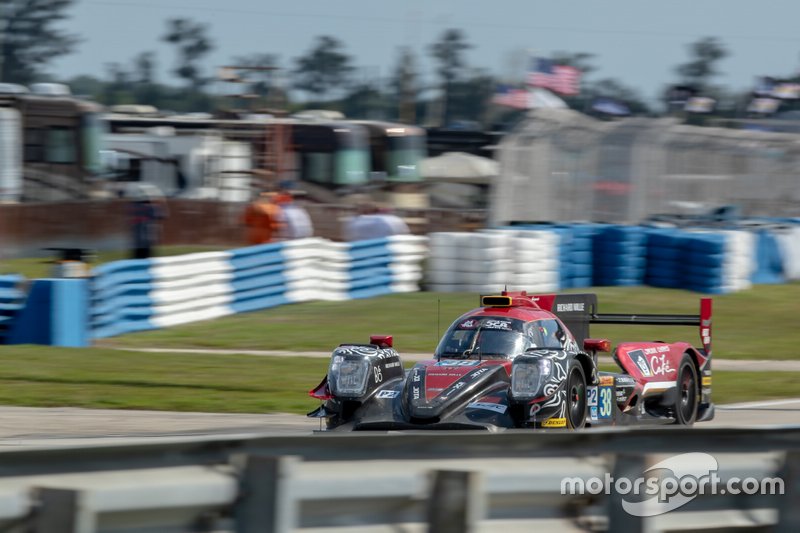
[[383, 341], [597, 345]]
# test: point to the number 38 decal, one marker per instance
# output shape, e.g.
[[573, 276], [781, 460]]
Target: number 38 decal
[[605, 398]]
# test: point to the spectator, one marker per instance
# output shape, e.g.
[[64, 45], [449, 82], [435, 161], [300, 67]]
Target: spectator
[[263, 218], [297, 222], [373, 222], [146, 216]]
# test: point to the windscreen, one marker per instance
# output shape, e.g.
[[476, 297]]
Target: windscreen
[[483, 337]]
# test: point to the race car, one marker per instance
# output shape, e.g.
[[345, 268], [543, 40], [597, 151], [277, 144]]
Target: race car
[[523, 361]]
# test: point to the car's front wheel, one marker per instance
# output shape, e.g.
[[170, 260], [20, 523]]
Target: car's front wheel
[[576, 396]]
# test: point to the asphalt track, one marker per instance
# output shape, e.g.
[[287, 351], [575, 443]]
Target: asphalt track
[[22, 427]]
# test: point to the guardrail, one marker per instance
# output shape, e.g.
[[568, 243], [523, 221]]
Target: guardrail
[[456, 481]]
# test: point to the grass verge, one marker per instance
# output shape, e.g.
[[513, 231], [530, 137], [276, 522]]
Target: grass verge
[[102, 378], [760, 323]]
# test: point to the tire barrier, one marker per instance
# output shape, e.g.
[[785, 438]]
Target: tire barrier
[[488, 261], [789, 245], [553, 257], [137, 295], [619, 255], [11, 301]]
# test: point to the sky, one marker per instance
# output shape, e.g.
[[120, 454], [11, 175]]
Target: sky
[[638, 42]]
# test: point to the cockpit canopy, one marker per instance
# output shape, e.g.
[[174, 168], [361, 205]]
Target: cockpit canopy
[[498, 337]]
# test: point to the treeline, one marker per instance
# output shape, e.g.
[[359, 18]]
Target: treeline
[[325, 76]]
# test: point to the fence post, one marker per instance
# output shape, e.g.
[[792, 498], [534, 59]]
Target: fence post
[[788, 510], [64, 511], [629, 466], [265, 504], [457, 502]]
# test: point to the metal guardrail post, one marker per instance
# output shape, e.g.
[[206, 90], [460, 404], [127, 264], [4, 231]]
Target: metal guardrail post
[[457, 502], [64, 511], [630, 466], [788, 509], [266, 504]]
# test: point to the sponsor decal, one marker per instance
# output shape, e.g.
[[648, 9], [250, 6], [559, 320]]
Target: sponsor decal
[[392, 365], [661, 366], [488, 406], [593, 412], [555, 423], [387, 394], [496, 324], [706, 381], [338, 358], [605, 381], [658, 349], [415, 394], [468, 324], [625, 380], [604, 403], [451, 362], [637, 356], [621, 395], [478, 372], [570, 307], [591, 397]]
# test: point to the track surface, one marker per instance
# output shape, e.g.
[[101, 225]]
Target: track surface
[[30, 426]]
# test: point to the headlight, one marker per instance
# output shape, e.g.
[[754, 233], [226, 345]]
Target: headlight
[[348, 377], [527, 377]]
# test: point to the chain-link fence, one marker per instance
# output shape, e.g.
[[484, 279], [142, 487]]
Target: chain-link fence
[[561, 165]]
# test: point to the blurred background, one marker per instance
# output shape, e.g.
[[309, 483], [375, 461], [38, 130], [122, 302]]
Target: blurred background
[[540, 113]]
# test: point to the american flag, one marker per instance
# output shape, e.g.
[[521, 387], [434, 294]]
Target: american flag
[[509, 96], [558, 78]]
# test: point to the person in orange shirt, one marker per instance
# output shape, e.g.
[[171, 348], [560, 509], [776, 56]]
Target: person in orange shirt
[[263, 218]]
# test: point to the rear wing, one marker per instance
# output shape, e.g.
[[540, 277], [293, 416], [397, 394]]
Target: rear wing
[[578, 311]]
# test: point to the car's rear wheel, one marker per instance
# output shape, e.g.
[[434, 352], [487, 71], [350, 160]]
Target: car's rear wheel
[[576, 396], [685, 408]]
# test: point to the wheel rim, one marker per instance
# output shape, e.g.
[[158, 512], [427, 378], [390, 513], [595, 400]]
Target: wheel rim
[[576, 400], [688, 393]]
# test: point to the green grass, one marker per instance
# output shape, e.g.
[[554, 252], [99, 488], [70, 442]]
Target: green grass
[[101, 378], [761, 323], [47, 377], [40, 267]]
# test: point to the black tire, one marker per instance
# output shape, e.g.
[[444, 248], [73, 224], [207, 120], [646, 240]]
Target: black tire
[[576, 396], [687, 398]]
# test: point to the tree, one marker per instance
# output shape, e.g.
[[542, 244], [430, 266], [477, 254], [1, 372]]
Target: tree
[[449, 53], [193, 44], [144, 66], [706, 54], [404, 83], [323, 68], [30, 39], [469, 97]]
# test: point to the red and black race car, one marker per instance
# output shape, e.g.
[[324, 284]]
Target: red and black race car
[[523, 361]]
